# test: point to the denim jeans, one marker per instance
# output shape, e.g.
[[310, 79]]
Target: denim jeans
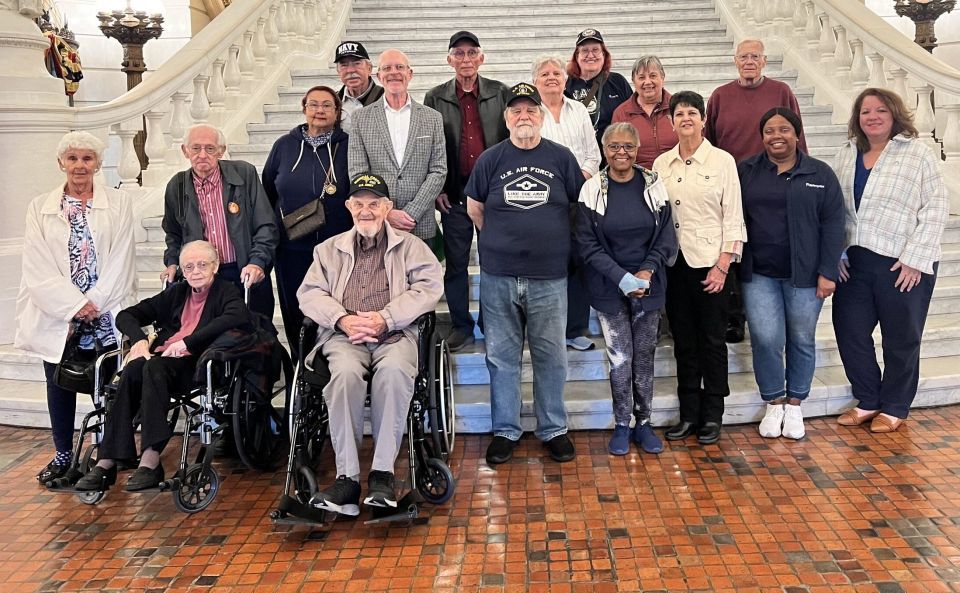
[[782, 316], [511, 306]]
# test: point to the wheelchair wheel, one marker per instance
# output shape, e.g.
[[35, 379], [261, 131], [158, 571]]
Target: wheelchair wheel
[[304, 483], [441, 407], [259, 429], [87, 461], [435, 481], [198, 489]]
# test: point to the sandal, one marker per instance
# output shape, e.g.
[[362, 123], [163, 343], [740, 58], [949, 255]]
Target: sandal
[[885, 423], [856, 417]]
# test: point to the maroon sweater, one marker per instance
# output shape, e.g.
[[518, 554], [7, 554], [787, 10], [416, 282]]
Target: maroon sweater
[[734, 112]]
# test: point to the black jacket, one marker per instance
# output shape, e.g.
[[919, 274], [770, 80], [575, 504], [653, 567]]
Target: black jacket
[[223, 311], [250, 220], [491, 103], [815, 218], [375, 92]]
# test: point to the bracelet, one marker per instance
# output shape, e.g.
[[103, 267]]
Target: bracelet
[[721, 270]]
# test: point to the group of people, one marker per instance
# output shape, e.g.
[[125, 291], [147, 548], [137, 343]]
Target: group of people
[[583, 193]]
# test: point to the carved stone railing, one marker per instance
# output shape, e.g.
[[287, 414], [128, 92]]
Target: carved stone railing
[[841, 47]]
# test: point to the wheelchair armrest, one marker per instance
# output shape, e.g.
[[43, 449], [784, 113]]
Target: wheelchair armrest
[[308, 337]]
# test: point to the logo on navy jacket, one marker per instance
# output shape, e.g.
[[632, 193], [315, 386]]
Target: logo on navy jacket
[[526, 192]]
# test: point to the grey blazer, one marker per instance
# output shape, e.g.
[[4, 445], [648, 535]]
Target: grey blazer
[[416, 182]]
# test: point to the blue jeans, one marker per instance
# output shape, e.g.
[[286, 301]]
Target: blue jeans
[[781, 315], [510, 306]]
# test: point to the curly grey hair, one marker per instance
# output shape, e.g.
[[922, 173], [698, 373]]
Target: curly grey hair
[[81, 141]]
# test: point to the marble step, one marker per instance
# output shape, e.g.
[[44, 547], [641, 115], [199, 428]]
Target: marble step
[[456, 5], [473, 10], [678, 24]]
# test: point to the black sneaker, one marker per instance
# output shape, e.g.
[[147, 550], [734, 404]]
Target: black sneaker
[[500, 450], [561, 448], [381, 490], [342, 497], [458, 340], [735, 333]]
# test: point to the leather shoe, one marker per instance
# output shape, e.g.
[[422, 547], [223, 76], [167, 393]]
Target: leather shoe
[[97, 479], [145, 478], [500, 450], [680, 431], [709, 433], [458, 340], [561, 448], [51, 472], [735, 334]]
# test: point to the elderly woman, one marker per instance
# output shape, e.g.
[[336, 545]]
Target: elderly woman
[[648, 109], [896, 209], [304, 166], [78, 272], [626, 239], [567, 122], [705, 193], [793, 210], [188, 316], [593, 83]]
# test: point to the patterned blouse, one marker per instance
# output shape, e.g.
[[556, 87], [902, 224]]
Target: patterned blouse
[[83, 269]]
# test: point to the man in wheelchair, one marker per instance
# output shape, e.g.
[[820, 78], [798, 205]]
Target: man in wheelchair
[[188, 317], [365, 289]]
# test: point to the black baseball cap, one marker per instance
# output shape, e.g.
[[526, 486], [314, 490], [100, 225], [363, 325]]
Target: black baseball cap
[[524, 90], [589, 35], [460, 36], [371, 183], [351, 49]]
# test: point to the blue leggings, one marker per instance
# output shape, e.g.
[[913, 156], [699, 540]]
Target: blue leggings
[[62, 405]]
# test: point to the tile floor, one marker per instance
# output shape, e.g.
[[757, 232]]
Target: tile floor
[[842, 511]]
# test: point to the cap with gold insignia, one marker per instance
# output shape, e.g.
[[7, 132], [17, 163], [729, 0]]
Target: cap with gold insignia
[[524, 90], [351, 49], [589, 35], [371, 183]]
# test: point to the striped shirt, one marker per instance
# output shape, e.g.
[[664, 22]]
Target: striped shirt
[[368, 288], [575, 131], [210, 198]]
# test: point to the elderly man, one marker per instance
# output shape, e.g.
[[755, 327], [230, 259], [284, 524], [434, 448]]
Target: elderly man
[[648, 109], [401, 141], [733, 125], [359, 89], [520, 196], [365, 289], [223, 203], [472, 111]]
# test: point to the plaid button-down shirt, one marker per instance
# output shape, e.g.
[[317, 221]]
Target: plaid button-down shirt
[[210, 197]]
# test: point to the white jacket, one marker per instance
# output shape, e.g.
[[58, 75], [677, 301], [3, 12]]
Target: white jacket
[[48, 300]]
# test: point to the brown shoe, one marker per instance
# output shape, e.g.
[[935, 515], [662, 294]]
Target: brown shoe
[[856, 417], [885, 423]]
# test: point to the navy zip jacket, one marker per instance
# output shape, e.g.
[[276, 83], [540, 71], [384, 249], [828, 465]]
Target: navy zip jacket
[[293, 175], [815, 218]]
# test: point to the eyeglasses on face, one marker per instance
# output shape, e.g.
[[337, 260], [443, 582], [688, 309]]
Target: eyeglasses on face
[[615, 148], [394, 68], [200, 266], [325, 106], [591, 51], [372, 206], [749, 57], [209, 149], [472, 53]]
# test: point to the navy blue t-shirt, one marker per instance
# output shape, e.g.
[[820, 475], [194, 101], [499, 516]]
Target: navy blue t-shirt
[[628, 223], [527, 196], [765, 214], [860, 177]]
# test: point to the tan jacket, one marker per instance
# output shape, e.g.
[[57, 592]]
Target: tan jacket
[[707, 209], [413, 272], [48, 300]]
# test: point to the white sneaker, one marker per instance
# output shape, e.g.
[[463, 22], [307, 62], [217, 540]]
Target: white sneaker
[[793, 422], [772, 423]]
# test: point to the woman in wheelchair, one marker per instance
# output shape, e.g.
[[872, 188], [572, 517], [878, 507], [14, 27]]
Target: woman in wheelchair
[[188, 317]]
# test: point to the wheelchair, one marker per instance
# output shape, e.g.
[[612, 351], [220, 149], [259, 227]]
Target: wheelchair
[[430, 433], [238, 389]]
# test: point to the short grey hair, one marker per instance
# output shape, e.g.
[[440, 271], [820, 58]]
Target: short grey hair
[[544, 59], [221, 138], [646, 63], [81, 141], [201, 245], [763, 48], [623, 126]]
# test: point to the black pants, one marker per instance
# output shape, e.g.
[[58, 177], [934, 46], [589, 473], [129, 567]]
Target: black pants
[[457, 240], [866, 299], [737, 315], [698, 321], [578, 307], [261, 293], [292, 266], [62, 406], [145, 385]]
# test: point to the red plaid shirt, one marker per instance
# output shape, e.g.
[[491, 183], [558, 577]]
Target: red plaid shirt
[[210, 198]]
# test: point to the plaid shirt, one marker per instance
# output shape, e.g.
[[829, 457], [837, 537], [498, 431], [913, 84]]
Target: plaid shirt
[[904, 207], [210, 197]]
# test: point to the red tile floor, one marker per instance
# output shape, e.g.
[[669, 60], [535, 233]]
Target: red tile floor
[[840, 511]]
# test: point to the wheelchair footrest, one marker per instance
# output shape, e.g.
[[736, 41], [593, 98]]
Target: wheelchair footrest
[[407, 510], [291, 511], [72, 489]]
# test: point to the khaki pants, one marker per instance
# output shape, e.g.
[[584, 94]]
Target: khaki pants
[[394, 367]]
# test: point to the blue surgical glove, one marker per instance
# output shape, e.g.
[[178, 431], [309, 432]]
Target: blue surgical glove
[[630, 283]]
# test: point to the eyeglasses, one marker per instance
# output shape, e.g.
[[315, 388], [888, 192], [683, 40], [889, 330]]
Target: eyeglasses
[[591, 51], [615, 148], [394, 68], [749, 58], [472, 53], [199, 266], [326, 106], [209, 149]]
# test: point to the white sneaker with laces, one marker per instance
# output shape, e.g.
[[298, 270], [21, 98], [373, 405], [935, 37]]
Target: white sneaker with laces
[[793, 422], [772, 423]]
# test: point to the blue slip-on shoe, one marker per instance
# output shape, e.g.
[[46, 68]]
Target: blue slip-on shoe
[[620, 441], [644, 436]]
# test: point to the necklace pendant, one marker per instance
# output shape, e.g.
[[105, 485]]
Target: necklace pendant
[[329, 189]]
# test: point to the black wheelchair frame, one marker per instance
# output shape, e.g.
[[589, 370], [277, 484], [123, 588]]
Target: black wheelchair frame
[[431, 433]]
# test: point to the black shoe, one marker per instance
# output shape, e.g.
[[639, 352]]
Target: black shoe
[[342, 497], [52, 471], [145, 478], [680, 431], [223, 445], [500, 450], [97, 479], [709, 433], [735, 333], [458, 340], [381, 490], [561, 448]]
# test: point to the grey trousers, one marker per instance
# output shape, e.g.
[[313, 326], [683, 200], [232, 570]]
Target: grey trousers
[[394, 367]]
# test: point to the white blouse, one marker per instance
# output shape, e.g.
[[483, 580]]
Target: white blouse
[[575, 131]]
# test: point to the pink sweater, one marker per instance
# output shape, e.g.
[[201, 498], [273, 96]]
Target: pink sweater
[[189, 318]]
